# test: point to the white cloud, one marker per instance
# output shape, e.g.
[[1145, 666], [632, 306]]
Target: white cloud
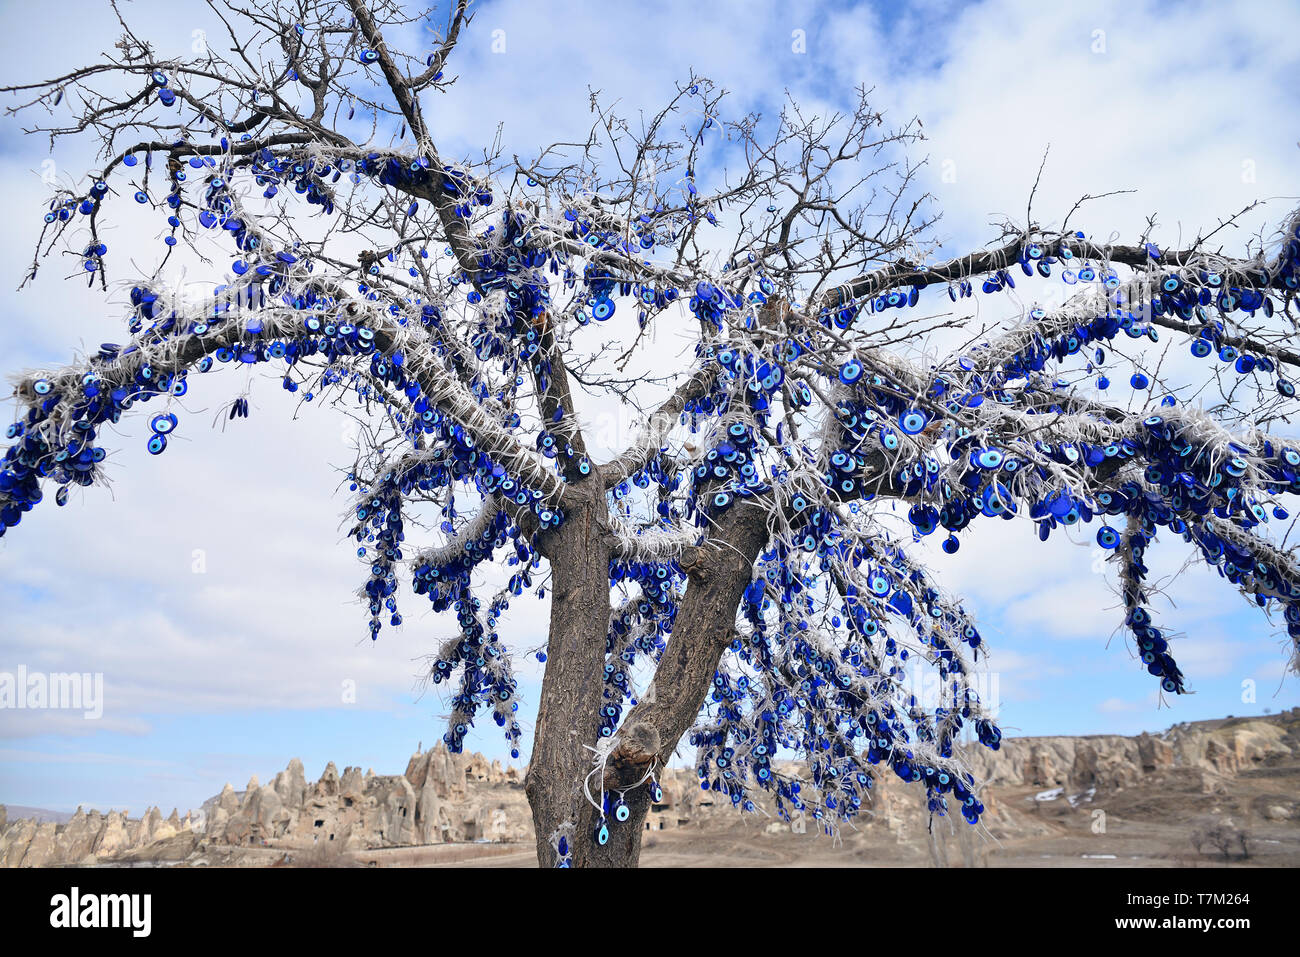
[[1118, 706]]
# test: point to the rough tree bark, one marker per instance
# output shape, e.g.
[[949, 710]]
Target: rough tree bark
[[568, 714]]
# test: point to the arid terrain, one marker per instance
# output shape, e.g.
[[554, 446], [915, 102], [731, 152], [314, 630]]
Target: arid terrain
[[1201, 794]]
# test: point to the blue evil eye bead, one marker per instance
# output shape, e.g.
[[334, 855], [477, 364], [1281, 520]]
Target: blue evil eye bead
[[951, 544], [163, 423], [622, 811], [369, 56], [1286, 388], [987, 458], [141, 196], [657, 793], [923, 518], [912, 422], [1201, 348], [602, 310], [157, 443], [1107, 537], [602, 834], [1139, 381], [42, 387], [995, 500], [61, 496], [851, 372]]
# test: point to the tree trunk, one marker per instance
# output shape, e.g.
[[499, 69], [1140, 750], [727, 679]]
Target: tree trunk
[[705, 626], [568, 719], [568, 714]]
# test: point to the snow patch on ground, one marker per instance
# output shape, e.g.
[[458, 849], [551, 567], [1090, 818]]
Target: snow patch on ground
[[1083, 798]]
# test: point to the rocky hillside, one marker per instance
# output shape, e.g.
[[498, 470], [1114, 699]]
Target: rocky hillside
[[1193, 770], [1224, 747], [441, 798], [88, 837]]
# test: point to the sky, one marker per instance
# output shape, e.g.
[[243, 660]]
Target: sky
[[213, 587]]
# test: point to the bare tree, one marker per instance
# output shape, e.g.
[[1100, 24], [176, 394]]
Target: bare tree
[[1223, 836], [729, 571]]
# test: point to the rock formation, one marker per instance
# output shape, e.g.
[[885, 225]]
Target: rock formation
[[451, 798], [92, 837], [1224, 747], [442, 798]]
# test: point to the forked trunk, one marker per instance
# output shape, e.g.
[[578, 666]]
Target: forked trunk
[[569, 713]]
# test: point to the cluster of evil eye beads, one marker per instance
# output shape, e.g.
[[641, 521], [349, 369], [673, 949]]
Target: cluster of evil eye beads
[[1200, 298], [821, 709]]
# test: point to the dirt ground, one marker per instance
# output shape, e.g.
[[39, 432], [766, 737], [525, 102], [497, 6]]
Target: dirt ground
[[1070, 843], [1150, 826]]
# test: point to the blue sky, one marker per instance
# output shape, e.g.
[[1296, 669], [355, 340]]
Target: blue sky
[[213, 676]]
